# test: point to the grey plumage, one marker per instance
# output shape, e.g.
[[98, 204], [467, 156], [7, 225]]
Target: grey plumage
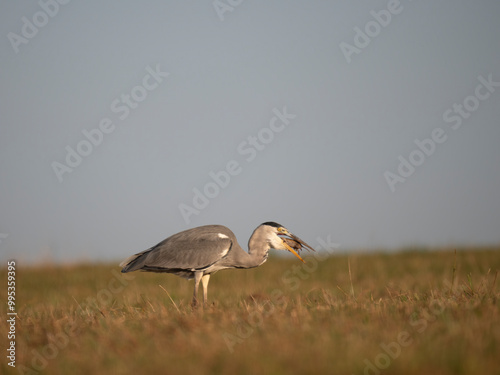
[[199, 252]]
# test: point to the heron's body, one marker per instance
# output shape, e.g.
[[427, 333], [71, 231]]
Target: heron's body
[[199, 252]]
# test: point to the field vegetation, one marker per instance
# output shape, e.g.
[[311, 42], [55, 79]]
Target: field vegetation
[[413, 312]]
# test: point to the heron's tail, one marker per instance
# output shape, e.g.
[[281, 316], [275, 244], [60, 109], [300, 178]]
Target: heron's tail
[[134, 262]]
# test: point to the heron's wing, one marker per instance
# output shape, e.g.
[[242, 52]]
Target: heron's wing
[[190, 250]]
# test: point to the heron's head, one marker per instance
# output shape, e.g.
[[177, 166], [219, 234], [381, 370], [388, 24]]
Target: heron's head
[[280, 238]]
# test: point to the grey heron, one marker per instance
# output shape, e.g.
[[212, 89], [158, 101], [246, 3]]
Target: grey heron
[[199, 252]]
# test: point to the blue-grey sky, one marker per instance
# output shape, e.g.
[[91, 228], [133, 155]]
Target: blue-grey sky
[[375, 123]]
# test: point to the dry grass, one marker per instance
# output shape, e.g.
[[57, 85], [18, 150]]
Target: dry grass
[[433, 312]]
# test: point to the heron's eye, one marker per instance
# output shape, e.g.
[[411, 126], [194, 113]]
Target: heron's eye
[[280, 229]]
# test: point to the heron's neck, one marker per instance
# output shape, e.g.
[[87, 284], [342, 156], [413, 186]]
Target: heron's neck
[[257, 252]]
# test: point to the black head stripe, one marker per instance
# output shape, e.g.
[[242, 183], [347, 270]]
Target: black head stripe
[[272, 224]]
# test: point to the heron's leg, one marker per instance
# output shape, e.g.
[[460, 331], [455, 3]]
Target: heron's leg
[[197, 277], [204, 280]]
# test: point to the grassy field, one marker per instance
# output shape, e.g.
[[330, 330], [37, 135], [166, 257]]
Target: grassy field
[[405, 313]]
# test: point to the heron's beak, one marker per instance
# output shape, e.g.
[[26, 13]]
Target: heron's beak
[[303, 243], [296, 239], [292, 251]]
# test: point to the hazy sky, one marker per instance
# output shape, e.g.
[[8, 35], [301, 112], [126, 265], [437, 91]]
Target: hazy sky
[[373, 122]]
